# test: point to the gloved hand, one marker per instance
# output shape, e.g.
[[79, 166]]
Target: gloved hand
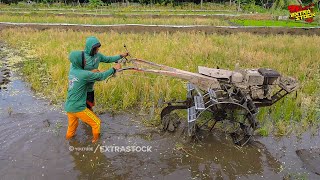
[[117, 67], [123, 55]]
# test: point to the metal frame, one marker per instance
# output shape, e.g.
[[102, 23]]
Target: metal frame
[[208, 94]]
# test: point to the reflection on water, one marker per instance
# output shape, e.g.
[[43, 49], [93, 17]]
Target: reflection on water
[[92, 164], [217, 157], [213, 157]]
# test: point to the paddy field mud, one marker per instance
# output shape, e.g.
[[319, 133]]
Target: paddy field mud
[[140, 28]]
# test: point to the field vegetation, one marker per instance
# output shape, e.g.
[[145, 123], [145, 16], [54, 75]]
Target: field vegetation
[[29, 18], [251, 16], [47, 65], [262, 20], [47, 68], [279, 23]]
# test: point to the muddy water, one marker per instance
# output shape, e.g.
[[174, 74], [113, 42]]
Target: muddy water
[[32, 146], [141, 28]]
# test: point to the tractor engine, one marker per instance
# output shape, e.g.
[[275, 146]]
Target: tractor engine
[[257, 83]]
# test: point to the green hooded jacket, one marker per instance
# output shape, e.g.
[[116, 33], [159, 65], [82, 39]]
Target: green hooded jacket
[[79, 81], [92, 61]]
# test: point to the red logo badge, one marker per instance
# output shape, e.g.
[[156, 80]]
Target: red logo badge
[[298, 12]]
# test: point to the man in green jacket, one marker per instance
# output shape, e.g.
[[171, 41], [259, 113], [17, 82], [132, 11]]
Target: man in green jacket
[[92, 59], [80, 81]]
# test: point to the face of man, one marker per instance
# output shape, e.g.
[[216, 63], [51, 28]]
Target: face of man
[[96, 50]]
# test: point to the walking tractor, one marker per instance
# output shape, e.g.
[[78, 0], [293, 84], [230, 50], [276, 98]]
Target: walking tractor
[[218, 95]]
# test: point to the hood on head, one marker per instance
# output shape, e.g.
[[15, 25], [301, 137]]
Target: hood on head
[[91, 43], [76, 59]]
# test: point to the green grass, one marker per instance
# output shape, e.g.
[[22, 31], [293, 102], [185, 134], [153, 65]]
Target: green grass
[[48, 66], [287, 23], [133, 7], [121, 11], [252, 20], [192, 9], [50, 18], [30, 18]]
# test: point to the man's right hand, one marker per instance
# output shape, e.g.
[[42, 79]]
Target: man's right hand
[[117, 66], [123, 55]]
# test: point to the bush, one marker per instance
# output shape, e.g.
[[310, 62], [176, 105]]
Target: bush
[[253, 8], [95, 3]]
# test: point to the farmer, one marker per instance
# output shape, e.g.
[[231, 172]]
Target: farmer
[[92, 59], [79, 82]]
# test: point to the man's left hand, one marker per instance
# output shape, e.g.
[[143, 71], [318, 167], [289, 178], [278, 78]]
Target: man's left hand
[[95, 70]]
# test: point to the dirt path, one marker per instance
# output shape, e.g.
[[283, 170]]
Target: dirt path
[[32, 146], [136, 28]]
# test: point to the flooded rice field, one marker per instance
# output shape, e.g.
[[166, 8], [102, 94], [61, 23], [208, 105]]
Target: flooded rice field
[[33, 146]]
